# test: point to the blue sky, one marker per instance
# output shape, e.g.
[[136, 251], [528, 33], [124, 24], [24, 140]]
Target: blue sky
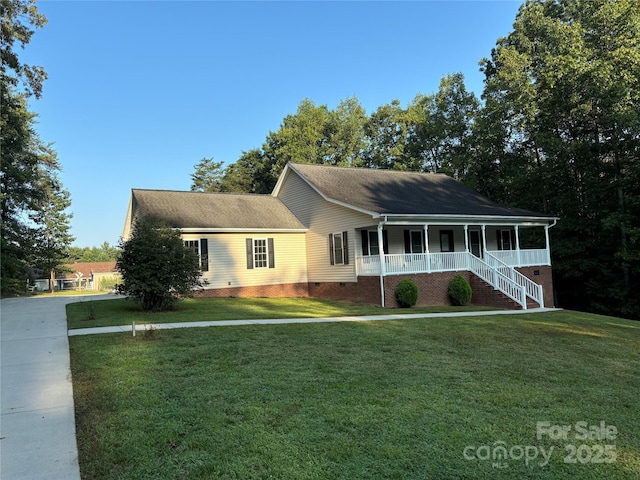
[[139, 92]]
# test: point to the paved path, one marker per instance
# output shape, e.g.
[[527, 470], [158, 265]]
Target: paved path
[[37, 423], [279, 321]]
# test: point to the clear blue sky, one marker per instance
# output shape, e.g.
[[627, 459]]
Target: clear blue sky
[[139, 92]]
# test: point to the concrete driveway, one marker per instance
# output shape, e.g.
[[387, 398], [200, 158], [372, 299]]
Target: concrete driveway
[[37, 424]]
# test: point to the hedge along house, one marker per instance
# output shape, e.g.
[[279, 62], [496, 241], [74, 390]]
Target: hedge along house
[[354, 233]]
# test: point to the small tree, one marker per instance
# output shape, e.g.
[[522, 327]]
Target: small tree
[[157, 269]]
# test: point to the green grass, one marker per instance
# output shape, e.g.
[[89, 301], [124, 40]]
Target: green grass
[[122, 311], [376, 400]]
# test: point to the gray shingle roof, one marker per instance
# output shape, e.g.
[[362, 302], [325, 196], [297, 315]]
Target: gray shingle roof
[[402, 193], [215, 210]]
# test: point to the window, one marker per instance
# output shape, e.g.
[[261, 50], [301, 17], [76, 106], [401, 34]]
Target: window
[[260, 259], [446, 241], [370, 244], [504, 240], [339, 248], [201, 249], [413, 241], [260, 253]]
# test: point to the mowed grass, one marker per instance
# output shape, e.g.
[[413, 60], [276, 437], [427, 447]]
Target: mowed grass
[[104, 313], [374, 400]]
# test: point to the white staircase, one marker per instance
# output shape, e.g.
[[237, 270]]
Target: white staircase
[[506, 279]]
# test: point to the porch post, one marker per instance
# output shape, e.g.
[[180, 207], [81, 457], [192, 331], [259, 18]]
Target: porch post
[[426, 247], [484, 237], [546, 236], [518, 246], [466, 243], [381, 253]]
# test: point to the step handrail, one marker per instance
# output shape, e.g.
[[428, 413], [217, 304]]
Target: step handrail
[[532, 289], [497, 280]]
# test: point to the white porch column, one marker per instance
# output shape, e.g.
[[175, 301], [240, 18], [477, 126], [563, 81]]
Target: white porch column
[[426, 247], [484, 238], [381, 253], [518, 246], [547, 243], [466, 242]]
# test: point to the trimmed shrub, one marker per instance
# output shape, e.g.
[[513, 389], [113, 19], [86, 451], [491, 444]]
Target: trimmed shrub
[[459, 291], [406, 293]]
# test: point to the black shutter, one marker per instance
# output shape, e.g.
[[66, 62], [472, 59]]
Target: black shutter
[[272, 259], [331, 248], [385, 241], [204, 255], [345, 247], [407, 241], [365, 242], [249, 253]]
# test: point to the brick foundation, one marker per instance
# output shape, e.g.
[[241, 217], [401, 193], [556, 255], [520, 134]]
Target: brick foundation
[[271, 291], [432, 289], [543, 277]]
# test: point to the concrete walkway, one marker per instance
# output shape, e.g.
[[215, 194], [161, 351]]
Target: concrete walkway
[[37, 422], [280, 321]]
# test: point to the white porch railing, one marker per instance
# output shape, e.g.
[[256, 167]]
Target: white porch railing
[[396, 264], [498, 280], [523, 258], [532, 289], [413, 263]]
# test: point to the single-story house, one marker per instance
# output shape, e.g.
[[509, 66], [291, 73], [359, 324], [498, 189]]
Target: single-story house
[[86, 276], [355, 233]]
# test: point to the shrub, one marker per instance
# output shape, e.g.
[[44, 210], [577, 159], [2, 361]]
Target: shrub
[[406, 293], [459, 291], [157, 269]]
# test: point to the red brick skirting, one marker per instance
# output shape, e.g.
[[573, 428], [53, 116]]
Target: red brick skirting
[[432, 289], [270, 291]]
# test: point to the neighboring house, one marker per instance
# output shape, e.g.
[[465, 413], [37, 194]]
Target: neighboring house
[[88, 276], [354, 233]]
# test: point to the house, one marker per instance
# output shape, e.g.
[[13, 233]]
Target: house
[[88, 276], [354, 233]]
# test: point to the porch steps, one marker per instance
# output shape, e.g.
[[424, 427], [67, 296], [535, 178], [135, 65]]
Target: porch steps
[[485, 295]]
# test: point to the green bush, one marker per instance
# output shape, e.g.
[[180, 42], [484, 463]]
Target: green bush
[[459, 291], [406, 293]]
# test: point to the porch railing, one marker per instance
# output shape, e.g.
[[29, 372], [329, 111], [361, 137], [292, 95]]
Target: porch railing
[[532, 289], [498, 280], [523, 258], [413, 263]]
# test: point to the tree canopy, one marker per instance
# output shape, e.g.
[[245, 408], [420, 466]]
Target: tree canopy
[[34, 225], [557, 130]]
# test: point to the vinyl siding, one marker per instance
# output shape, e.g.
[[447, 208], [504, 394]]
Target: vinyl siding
[[323, 218], [228, 260]]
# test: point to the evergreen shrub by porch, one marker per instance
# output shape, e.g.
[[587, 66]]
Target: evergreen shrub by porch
[[459, 291], [406, 293]]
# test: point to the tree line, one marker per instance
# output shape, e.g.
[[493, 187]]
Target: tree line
[[556, 130], [35, 225]]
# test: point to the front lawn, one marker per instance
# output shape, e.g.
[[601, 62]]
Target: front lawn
[[104, 313], [419, 399]]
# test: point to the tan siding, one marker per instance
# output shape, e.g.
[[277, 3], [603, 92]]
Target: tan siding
[[323, 218], [228, 260]]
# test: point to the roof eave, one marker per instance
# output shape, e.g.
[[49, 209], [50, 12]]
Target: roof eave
[[444, 219], [241, 230]]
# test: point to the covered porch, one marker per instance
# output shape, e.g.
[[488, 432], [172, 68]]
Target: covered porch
[[410, 248]]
